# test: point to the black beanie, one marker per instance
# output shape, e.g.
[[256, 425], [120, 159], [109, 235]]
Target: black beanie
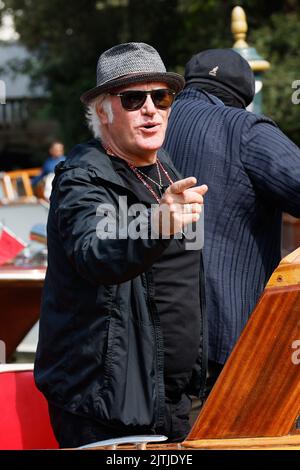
[[224, 68]]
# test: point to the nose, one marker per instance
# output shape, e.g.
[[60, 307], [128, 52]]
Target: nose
[[149, 107]]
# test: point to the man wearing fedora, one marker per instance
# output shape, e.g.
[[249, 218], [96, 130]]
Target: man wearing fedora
[[253, 173], [122, 330]]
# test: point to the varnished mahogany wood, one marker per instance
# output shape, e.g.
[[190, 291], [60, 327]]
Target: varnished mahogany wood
[[258, 391], [253, 443]]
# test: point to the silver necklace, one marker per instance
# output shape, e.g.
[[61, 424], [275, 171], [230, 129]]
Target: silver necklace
[[158, 184], [141, 175]]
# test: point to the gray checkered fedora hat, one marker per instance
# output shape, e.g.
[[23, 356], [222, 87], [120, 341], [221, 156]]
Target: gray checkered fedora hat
[[132, 62]]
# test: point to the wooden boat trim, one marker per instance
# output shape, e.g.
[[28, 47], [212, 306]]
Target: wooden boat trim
[[23, 275], [286, 274], [276, 443], [256, 443], [257, 393], [20, 296]]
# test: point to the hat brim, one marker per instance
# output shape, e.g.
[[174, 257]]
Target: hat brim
[[175, 81]]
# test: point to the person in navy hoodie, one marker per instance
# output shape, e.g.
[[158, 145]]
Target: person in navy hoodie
[[253, 173]]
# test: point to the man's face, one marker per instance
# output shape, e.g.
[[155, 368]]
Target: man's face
[[137, 133]]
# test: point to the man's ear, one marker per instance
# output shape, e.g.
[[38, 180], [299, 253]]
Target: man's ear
[[101, 113]]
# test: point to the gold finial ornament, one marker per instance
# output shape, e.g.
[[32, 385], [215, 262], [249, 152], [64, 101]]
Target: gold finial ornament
[[239, 27]]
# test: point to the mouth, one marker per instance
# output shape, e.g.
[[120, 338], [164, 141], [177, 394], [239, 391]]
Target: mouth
[[150, 127]]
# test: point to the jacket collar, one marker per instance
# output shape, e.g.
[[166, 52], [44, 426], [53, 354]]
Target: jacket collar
[[91, 156], [195, 91]]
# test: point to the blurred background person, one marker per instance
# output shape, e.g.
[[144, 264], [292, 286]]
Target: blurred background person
[[43, 182]]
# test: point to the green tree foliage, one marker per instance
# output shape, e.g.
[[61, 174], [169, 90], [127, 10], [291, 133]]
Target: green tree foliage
[[66, 39], [279, 41]]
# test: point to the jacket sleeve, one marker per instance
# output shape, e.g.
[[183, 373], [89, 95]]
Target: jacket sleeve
[[77, 199], [272, 162]]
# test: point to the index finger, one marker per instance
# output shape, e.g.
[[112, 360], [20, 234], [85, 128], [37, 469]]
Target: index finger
[[181, 185], [200, 189]]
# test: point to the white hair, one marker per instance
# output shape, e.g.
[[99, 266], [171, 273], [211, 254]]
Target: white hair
[[92, 117]]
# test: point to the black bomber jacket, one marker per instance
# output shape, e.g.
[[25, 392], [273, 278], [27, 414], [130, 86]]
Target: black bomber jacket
[[100, 351]]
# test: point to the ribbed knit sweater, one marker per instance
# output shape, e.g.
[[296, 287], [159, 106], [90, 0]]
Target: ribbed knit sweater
[[253, 174]]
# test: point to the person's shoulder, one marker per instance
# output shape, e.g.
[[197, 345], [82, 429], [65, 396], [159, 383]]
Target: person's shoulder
[[78, 152], [193, 106], [79, 161], [47, 162], [256, 120], [206, 103], [84, 156], [86, 162], [246, 120]]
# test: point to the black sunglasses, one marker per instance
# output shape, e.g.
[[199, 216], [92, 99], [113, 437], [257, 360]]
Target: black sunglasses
[[134, 99]]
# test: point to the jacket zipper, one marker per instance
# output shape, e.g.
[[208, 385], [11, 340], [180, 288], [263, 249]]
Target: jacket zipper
[[159, 359]]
